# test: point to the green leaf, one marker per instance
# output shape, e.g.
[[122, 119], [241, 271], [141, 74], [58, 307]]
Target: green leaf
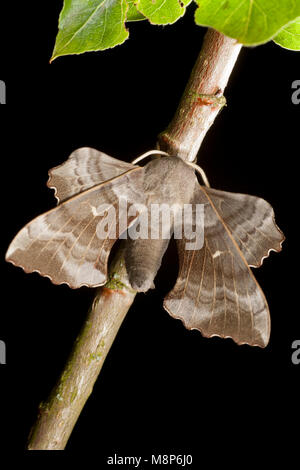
[[162, 11], [132, 13], [289, 36], [90, 25], [251, 22]]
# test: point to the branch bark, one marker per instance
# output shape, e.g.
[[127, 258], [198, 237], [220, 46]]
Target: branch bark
[[202, 98], [200, 104], [57, 416]]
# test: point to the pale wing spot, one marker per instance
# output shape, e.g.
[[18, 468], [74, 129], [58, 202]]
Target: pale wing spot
[[219, 253], [94, 211]]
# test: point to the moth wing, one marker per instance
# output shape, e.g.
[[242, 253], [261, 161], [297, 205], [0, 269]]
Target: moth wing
[[216, 291], [71, 243], [251, 222], [85, 168]]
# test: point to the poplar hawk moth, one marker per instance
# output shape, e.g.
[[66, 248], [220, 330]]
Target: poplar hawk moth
[[215, 292]]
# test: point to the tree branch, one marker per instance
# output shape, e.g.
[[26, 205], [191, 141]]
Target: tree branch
[[203, 97], [58, 415], [200, 104]]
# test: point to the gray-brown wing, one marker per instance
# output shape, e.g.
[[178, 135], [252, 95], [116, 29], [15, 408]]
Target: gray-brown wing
[[216, 291], [251, 222], [85, 168], [71, 243]]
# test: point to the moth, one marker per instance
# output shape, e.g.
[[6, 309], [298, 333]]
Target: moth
[[215, 292]]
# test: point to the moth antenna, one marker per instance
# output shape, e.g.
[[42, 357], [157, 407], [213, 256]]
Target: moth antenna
[[150, 152], [201, 173]]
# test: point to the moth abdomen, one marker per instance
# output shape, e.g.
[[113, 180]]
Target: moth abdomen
[[143, 259]]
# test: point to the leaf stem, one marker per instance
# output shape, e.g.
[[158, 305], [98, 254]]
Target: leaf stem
[[201, 102]]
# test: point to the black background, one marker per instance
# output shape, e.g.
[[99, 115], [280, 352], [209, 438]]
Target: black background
[[162, 388]]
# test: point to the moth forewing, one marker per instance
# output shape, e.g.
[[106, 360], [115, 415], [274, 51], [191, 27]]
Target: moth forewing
[[216, 291], [65, 244]]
